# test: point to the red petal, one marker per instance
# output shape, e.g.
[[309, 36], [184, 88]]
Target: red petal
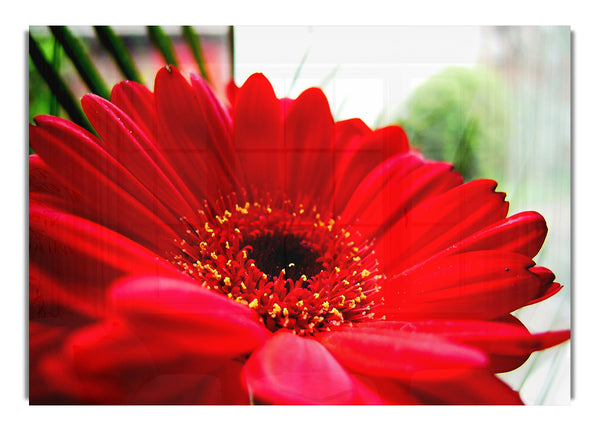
[[479, 388], [219, 387], [258, 134], [356, 158], [440, 222], [400, 354], [232, 91], [371, 186], [138, 102], [73, 257], [110, 364], [522, 233], [475, 285], [309, 157], [187, 317], [113, 197], [45, 186], [383, 391], [218, 123], [502, 341], [126, 142], [347, 131], [551, 290], [293, 370], [43, 340], [548, 287], [186, 139], [406, 189]]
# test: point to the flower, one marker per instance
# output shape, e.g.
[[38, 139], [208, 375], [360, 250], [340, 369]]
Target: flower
[[264, 253]]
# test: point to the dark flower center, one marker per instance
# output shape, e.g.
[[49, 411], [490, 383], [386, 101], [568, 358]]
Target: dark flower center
[[295, 268], [274, 251]]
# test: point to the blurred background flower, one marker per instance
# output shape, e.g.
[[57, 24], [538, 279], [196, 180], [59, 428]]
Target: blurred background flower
[[495, 101]]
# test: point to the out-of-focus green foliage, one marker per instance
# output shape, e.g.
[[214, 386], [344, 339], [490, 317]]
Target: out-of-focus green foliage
[[455, 115], [40, 96]]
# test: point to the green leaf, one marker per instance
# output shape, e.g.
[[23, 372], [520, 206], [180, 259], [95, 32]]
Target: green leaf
[[56, 58], [230, 37], [162, 42], [81, 61], [57, 86], [193, 40], [117, 49], [298, 70]]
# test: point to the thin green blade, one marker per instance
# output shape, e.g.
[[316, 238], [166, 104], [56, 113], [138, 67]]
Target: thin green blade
[[82, 62], [162, 42], [117, 49], [57, 86], [193, 40]]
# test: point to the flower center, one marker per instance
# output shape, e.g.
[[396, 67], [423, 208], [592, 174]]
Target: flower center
[[294, 267], [275, 251]]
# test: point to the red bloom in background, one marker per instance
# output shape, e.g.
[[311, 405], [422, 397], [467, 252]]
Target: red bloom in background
[[267, 254]]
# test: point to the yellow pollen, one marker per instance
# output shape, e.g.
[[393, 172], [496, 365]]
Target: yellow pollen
[[286, 313], [254, 303], [244, 287], [356, 258], [326, 305], [365, 273], [214, 255], [316, 295], [292, 264], [227, 281], [276, 309]]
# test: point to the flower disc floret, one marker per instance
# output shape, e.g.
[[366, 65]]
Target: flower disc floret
[[295, 268]]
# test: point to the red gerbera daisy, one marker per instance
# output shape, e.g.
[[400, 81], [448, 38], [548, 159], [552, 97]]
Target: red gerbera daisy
[[267, 254]]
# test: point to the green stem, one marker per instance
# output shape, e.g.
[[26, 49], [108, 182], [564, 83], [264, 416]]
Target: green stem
[[81, 61], [56, 51], [162, 42], [231, 51], [58, 86], [117, 49], [193, 40]]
